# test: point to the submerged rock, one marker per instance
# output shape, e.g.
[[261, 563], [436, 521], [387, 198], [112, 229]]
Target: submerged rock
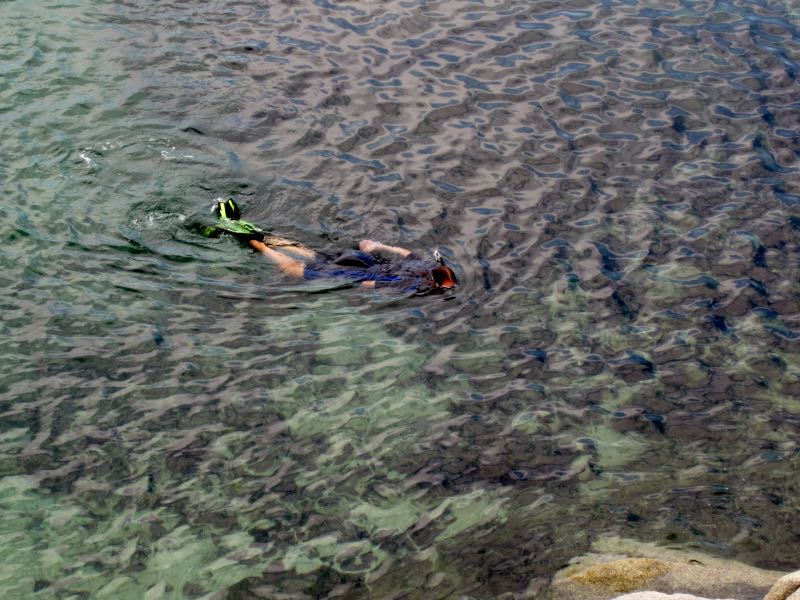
[[653, 572], [622, 575], [660, 596], [786, 588]]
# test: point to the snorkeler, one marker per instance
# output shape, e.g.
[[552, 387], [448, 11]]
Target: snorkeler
[[373, 265]]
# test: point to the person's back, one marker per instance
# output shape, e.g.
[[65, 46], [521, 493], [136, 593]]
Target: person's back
[[407, 273]]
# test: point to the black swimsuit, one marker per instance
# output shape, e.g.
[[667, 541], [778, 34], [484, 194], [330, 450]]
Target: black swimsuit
[[409, 274]]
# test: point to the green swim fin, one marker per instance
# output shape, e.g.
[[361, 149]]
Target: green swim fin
[[229, 221]]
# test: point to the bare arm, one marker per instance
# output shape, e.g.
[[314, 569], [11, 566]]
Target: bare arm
[[373, 247], [286, 264]]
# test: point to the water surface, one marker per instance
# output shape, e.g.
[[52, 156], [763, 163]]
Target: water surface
[[615, 183]]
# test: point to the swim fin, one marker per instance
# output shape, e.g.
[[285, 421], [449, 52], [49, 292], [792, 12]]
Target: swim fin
[[226, 209], [229, 220]]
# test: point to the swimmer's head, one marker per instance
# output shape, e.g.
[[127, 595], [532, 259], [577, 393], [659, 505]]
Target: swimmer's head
[[444, 277]]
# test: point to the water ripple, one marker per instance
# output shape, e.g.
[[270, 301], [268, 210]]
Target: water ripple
[[613, 182]]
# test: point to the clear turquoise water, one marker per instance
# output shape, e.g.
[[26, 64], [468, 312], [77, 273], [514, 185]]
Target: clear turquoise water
[[615, 184]]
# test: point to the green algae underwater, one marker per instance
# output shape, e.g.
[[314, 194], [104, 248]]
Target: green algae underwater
[[614, 183]]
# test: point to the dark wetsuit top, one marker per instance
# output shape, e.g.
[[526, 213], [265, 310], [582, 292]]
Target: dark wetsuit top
[[408, 274]]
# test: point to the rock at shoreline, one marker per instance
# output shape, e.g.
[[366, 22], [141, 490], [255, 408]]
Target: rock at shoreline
[[786, 588], [618, 565]]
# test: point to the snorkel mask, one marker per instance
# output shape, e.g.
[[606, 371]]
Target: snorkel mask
[[443, 276]]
